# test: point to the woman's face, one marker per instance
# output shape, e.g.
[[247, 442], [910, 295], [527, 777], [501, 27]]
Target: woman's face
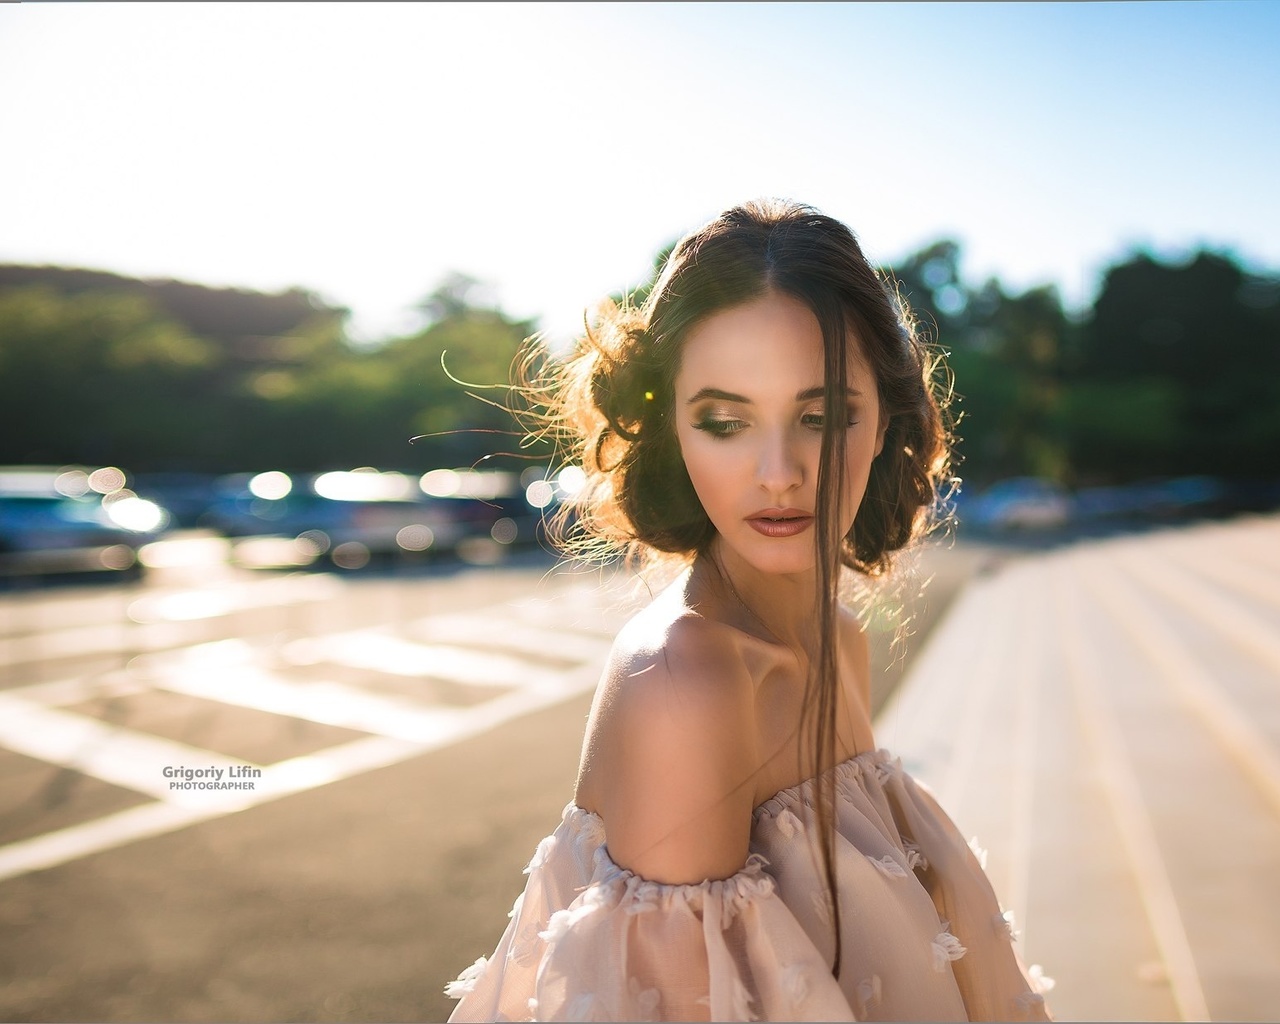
[[749, 417]]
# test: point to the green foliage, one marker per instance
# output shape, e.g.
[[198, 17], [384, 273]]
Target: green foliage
[[1005, 352], [1192, 352], [1126, 429], [98, 376], [1175, 371]]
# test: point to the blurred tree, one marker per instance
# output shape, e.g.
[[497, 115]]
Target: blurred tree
[[1005, 352], [929, 283], [1175, 371], [455, 295], [98, 377], [450, 381], [1187, 357]]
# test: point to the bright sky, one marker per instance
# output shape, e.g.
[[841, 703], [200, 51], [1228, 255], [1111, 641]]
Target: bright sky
[[366, 150]]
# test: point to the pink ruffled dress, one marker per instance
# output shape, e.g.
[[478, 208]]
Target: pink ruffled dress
[[923, 934]]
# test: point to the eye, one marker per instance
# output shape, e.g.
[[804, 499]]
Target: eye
[[719, 427], [815, 420]]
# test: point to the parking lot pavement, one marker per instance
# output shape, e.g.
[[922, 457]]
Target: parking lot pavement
[[415, 736], [199, 724], [1106, 720], [333, 719]]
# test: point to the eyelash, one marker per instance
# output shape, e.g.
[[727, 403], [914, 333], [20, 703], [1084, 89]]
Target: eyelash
[[729, 427], [719, 428], [814, 419]]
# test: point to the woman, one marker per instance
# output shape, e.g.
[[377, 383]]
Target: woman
[[737, 848]]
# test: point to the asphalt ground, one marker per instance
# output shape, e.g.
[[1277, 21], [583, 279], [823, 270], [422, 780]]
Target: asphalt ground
[[1103, 715], [356, 899]]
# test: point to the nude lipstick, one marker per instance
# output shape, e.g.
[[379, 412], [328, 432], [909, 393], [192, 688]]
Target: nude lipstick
[[780, 522]]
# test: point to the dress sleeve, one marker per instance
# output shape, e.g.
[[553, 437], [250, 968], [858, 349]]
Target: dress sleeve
[[626, 948]]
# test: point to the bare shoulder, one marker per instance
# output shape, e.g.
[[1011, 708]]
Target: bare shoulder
[[670, 752], [682, 657]]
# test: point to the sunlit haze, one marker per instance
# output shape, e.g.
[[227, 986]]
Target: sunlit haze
[[364, 151]]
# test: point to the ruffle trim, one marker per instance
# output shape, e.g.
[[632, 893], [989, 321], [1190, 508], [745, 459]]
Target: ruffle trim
[[879, 764], [615, 886]]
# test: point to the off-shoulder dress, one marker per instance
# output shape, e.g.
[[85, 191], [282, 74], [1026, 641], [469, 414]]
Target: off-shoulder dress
[[923, 934]]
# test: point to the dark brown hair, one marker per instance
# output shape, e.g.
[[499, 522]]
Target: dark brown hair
[[609, 405]]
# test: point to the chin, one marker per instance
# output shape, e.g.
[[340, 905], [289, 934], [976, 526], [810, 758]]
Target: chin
[[775, 557]]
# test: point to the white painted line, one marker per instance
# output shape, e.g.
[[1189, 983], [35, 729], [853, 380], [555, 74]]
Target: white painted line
[[137, 823], [1243, 741], [579, 610], [1103, 734], [122, 757], [68, 844], [61, 692], [293, 776], [155, 622], [343, 761], [115, 637], [509, 636], [225, 672], [379, 651], [218, 671], [191, 603]]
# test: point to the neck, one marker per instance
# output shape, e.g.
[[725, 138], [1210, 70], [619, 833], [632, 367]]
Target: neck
[[784, 607]]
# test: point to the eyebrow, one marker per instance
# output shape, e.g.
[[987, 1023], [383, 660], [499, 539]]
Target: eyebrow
[[729, 396]]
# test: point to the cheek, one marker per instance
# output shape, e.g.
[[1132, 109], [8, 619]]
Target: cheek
[[707, 467], [723, 474]]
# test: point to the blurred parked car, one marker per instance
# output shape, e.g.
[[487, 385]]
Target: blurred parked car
[[72, 520], [1186, 497], [1019, 503], [353, 516], [348, 517], [185, 495], [494, 504]]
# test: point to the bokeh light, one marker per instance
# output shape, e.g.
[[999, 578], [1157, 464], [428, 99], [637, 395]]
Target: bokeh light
[[106, 480], [272, 485], [505, 531], [539, 494], [350, 555], [417, 537], [364, 484]]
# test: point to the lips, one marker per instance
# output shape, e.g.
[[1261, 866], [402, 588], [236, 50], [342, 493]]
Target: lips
[[780, 522]]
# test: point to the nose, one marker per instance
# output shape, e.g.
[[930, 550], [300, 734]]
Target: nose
[[779, 467]]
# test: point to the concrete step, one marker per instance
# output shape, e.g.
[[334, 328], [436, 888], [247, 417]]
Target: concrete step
[[1106, 720]]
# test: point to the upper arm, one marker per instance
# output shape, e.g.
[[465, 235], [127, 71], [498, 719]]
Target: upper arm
[[674, 756]]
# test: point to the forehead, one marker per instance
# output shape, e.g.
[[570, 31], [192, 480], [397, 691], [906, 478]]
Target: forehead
[[772, 342]]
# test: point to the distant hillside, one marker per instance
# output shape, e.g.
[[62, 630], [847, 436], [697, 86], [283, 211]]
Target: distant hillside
[[237, 319]]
